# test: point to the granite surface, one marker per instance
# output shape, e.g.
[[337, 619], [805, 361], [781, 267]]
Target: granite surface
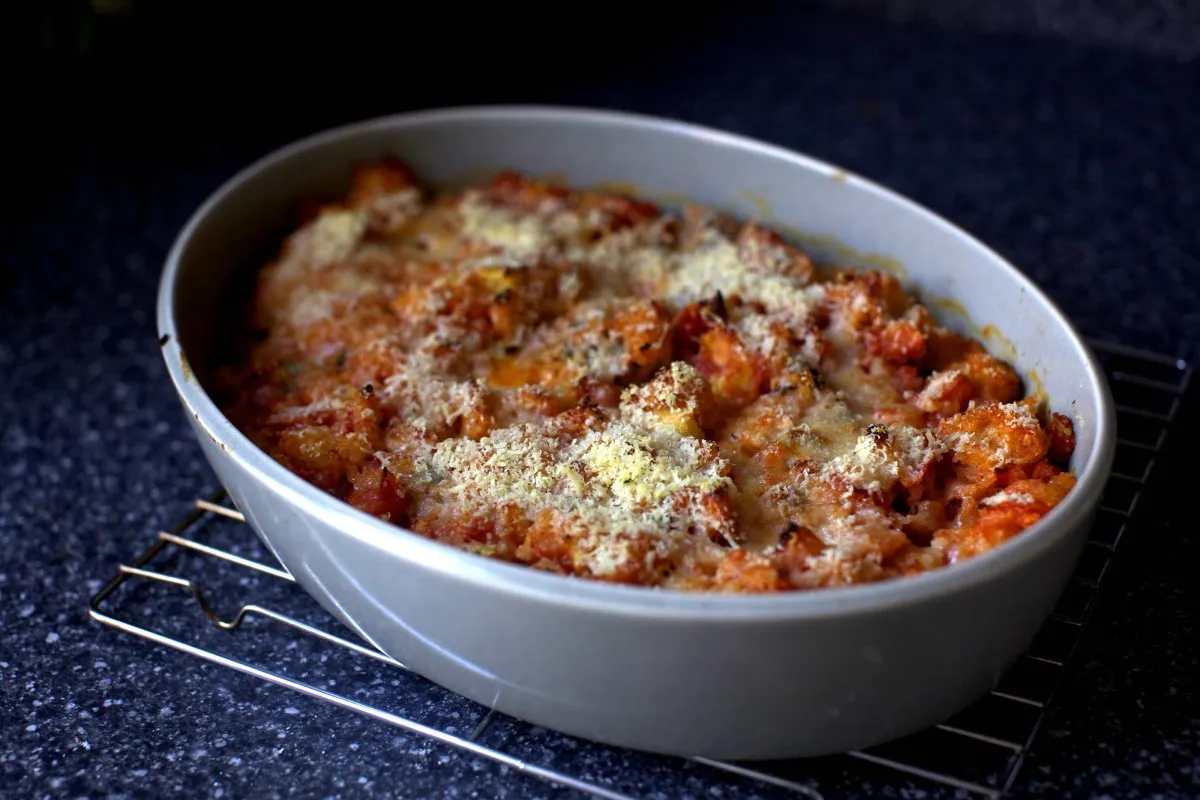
[[1082, 165], [1161, 27]]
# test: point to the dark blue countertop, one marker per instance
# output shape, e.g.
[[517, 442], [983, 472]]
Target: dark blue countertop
[[1081, 165]]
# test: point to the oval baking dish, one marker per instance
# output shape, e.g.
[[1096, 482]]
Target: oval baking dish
[[745, 677]]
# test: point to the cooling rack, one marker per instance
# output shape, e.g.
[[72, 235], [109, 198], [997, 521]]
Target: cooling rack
[[220, 582]]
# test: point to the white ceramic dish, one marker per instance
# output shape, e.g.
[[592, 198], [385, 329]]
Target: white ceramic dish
[[689, 674]]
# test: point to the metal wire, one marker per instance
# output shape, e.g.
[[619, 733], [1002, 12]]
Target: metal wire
[[1148, 374]]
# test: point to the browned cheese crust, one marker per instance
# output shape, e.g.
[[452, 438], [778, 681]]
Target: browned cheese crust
[[586, 384]]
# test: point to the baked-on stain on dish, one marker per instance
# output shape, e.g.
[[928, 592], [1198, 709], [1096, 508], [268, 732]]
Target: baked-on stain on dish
[[554, 178], [1002, 346], [765, 213], [185, 367], [466, 177], [844, 253], [224, 448], [632, 189], [476, 175], [951, 307]]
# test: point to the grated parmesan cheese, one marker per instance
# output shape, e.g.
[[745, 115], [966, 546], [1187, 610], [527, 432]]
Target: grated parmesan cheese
[[1015, 418], [670, 400], [761, 333], [935, 389], [870, 466], [616, 480], [392, 209], [608, 555], [523, 237], [915, 449], [716, 266], [328, 239], [291, 414], [307, 306], [419, 388], [1019, 498]]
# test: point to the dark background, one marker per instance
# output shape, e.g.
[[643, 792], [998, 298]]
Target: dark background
[[1059, 132], [1064, 133]]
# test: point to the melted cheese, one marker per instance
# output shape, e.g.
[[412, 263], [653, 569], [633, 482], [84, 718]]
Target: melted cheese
[[866, 457], [308, 306], [330, 238], [471, 326], [616, 480], [999, 498], [522, 237], [717, 267]]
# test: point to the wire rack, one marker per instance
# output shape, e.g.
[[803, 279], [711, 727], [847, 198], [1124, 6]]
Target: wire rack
[[211, 557]]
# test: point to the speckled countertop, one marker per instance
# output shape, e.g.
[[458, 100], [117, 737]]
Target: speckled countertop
[[1082, 165]]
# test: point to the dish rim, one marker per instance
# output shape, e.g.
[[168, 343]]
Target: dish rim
[[598, 596]]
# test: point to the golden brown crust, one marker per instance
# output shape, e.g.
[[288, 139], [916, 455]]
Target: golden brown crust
[[588, 385]]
